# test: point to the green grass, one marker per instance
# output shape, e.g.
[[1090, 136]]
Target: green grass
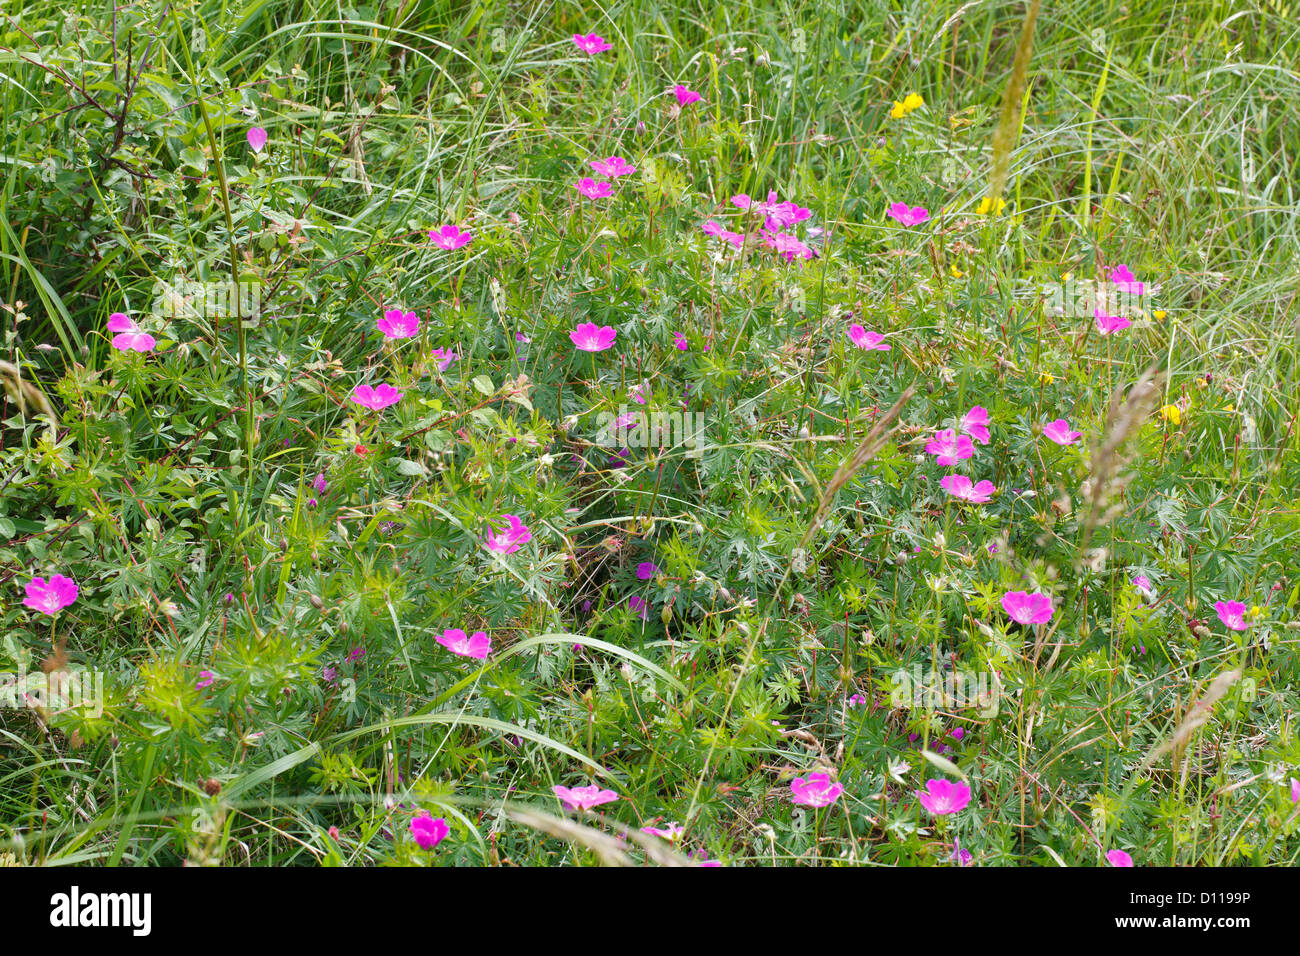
[[177, 487]]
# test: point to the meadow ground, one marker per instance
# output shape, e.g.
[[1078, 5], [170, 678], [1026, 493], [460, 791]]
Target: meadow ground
[[546, 434]]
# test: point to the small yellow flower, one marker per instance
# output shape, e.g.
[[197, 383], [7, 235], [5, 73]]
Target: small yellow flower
[[1170, 413], [986, 204], [1159, 313], [1256, 611], [956, 273], [912, 101], [1046, 378], [898, 111]]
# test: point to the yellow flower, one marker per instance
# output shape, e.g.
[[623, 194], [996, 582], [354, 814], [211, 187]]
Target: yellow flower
[[912, 101], [1256, 611], [956, 273], [898, 111], [1046, 378], [1170, 413], [1159, 313], [986, 204]]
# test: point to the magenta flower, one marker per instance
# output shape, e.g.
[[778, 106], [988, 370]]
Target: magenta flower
[[444, 358], [872, 341], [1106, 324], [592, 189], [319, 484], [376, 398], [50, 597], [1118, 858], [960, 856], [1231, 613], [959, 486], [671, 832], [637, 606], [1295, 790], [257, 139], [129, 338], [1124, 281], [948, 446], [685, 96], [1059, 432], [477, 645], [613, 166], [584, 798], [907, 215], [816, 791], [788, 245], [1143, 584], [857, 700], [782, 214], [591, 43], [957, 733], [646, 570], [428, 831], [942, 797], [205, 680], [397, 324], [450, 237], [680, 341], [975, 423], [589, 337], [1025, 608], [510, 540]]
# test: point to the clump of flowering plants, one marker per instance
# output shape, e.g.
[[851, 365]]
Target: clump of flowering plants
[[700, 463]]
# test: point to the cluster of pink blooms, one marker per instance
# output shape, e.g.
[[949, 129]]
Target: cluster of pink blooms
[[611, 167], [777, 218], [1121, 277]]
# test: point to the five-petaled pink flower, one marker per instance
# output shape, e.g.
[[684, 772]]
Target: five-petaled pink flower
[[592, 189], [1124, 281], [205, 680], [584, 798], [941, 797], [646, 570], [444, 358], [376, 398], [816, 791], [1024, 607], [1106, 324], [50, 597], [1059, 432], [450, 237], [589, 337], [428, 830], [591, 43], [976, 424], [1143, 585], [1232, 614], [867, 340], [907, 215], [959, 486], [512, 538], [613, 166], [397, 324], [1118, 858], [257, 138], [129, 338], [685, 96], [948, 446], [477, 645], [714, 228]]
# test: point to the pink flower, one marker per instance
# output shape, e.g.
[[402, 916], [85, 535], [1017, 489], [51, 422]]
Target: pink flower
[[959, 486], [477, 645], [592, 189], [50, 597], [515, 536], [785, 214], [857, 700], [205, 680], [589, 337], [428, 831], [1106, 324], [614, 166], [1143, 584], [671, 832], [816, 791], [646, 570], [685, 96], [584, 798], [872, 341], [948, 446], [680, 341], [907, 215], [591, 43], [444, 358], [941, 797], [257, 138], [788, 245], [960, 856], [957, 733], [376, 398], [975, 423], [397, 324], [1118, 858], [1124, 281], [129, 337], [450, 237], [714, 228], [1059, 432], [1025, 608], [1295, 790], [1232, 614]]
